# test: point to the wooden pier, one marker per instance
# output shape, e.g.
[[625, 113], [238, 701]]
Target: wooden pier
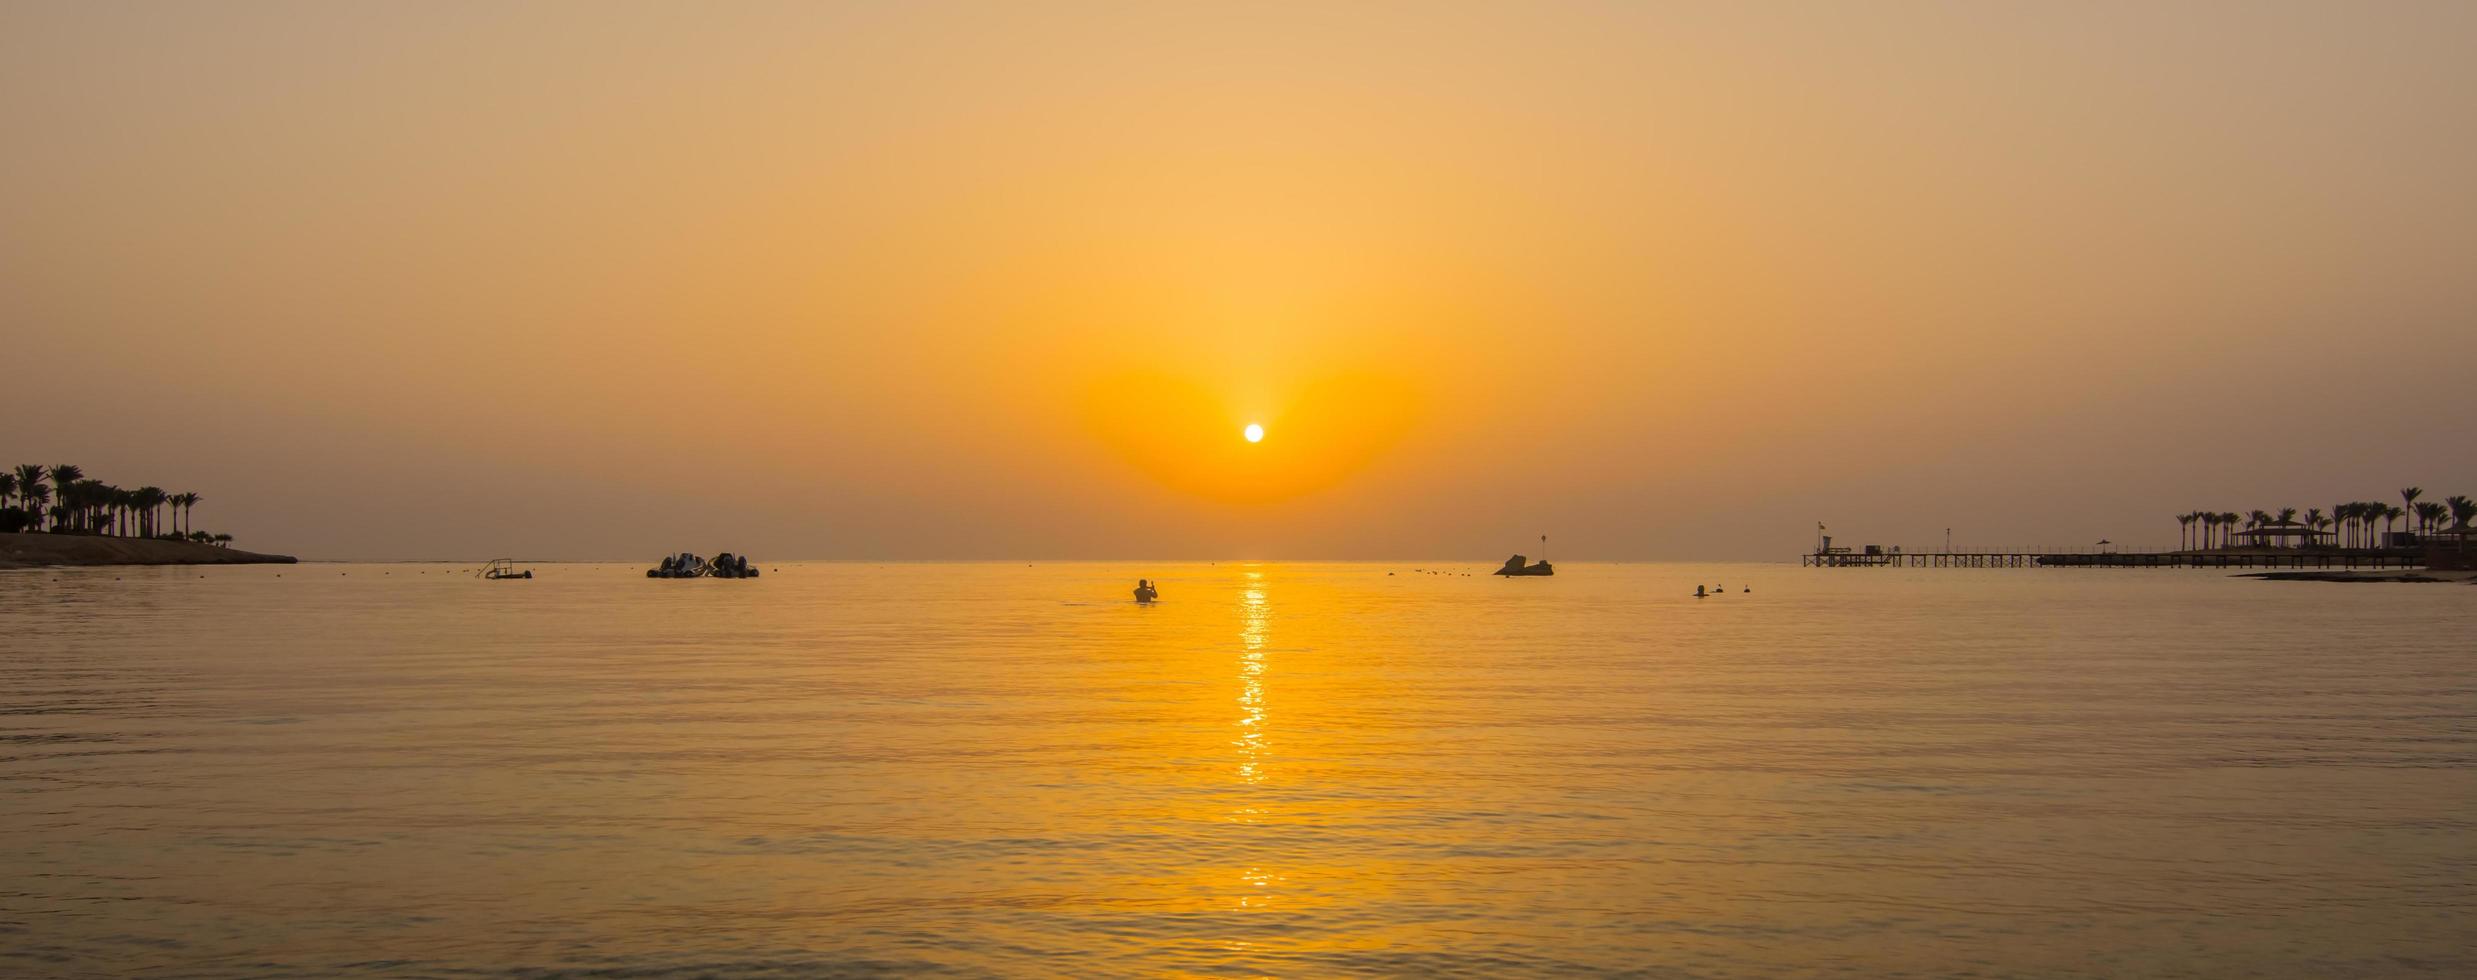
[[2353, 558]]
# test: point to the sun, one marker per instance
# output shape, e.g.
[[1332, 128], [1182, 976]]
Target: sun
[[1254, 433]]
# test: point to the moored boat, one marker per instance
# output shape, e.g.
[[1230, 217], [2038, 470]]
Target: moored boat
[[690, 565], [504, 568], [1518, 565]]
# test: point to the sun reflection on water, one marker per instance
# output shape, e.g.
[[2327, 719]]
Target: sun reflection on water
[[1254, 748], [1254, 741]]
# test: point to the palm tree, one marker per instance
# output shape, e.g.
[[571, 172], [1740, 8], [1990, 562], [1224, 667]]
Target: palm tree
[[2429, 515], [189, 507], [2390, 515], [149, 500], [98, 505], [36, 495], [2228, 518], [2184, 532], [29, 485], [72, 498], [64, 476], [2314, 521], [2462, 511], [123, 505]]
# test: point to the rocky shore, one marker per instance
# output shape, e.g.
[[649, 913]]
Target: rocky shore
[[34, 550]]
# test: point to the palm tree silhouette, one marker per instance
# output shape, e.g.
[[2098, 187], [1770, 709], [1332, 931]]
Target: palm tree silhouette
[[187, 502], [121, 505], [29, 488], [2429, 515], [36, 496], [2462, 511], [99, 498], [64, 479], [149, 500], [77, 498]]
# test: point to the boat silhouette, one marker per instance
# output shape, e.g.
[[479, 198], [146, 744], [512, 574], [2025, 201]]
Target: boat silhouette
[[504, 568], [1518, 565], [689, 565]]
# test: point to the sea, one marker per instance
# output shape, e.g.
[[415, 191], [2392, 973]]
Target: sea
[[1280, 769]]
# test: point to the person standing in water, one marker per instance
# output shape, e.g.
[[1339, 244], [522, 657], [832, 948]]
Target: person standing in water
[[1144, 591]]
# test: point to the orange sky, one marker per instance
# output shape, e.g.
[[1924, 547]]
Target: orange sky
[[806, 280]]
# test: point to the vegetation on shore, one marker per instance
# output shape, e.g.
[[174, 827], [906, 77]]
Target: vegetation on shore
[[2349, 526], [61, 499]]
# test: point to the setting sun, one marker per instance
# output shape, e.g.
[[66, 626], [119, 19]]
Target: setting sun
[[1255, 433]]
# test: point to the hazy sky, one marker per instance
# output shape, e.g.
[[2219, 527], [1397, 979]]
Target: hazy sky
[[922, 280]]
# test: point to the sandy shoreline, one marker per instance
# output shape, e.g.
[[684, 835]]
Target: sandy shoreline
[[38, 550]]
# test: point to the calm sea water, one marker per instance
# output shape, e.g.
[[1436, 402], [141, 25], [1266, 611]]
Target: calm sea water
[[1287, 769]]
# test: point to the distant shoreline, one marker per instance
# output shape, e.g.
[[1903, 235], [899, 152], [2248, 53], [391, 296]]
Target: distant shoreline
[[75, 550], [2367, 575]]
